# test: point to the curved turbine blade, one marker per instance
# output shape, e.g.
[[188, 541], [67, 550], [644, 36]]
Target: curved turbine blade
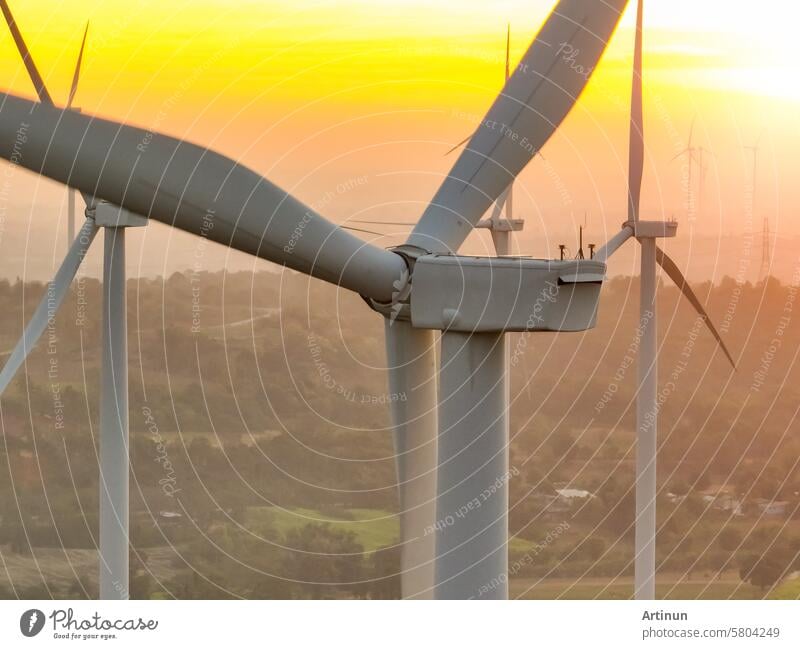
[[460, 144], [56, 291], [636, 138], [535, 100], [77, 74], [193, 189], [33, 71], [674, 273]]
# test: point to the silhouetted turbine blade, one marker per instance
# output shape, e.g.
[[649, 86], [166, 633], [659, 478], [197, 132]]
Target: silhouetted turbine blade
[[674, 273], [56, 291], [636, 141], [33, 71], [77, 74]]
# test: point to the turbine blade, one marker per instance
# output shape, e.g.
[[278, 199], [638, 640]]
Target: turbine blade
[[636, 138], [27, 59], [537, 97], [460, 144], [194, 189], [77, 74], [56, 291], [613, 244], [674, 273]]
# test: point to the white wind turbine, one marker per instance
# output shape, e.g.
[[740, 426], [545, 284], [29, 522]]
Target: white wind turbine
[[114, 455], [690, 152], [501, 223], [452, 442], [646, 232], [694, 206]]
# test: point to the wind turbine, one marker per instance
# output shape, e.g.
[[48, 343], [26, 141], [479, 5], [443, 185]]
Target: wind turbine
[[461, 444], [114, 454], [502, 223], [690, 152], [646, 232], [414, 443], [694, 154], [701, 182]]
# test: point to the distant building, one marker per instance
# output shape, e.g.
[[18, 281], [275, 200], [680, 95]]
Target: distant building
[[571, 494], [675, 499], [771, 507], [723, 498]]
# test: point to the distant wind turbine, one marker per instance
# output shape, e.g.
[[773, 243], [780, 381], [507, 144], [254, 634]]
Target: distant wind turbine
[[647, 406]]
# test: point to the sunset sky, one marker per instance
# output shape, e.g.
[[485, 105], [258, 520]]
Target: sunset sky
[[316, 94]]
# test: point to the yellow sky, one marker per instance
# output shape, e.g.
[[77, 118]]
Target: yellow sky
[[314, 93]]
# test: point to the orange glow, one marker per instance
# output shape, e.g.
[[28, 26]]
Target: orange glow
[[313, 93]]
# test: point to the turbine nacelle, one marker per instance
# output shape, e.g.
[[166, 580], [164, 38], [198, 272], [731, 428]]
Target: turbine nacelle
[[108, 215], [499, 294], [654, 229]]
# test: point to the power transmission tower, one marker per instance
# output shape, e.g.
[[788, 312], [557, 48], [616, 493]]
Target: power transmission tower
[[766, 252]]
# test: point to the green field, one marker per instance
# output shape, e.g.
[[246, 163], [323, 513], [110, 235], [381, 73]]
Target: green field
[[668, 587], [373, 528], [789, 589], [377, 528]]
